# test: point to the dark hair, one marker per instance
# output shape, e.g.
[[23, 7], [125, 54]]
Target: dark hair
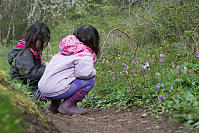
[[89, 36], [37, 31]]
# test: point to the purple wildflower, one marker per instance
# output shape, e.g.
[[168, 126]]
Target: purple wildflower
[[147, 64], [173, 65], [156, 92], [159, 98], [125, 66], [178, 67], [133, 62], [164, 98], [112, 73], [162, 84], [171, 87], [121, 72], [197, 54], [161, 61], [158, 85]]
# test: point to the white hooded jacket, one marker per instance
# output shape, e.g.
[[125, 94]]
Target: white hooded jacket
[[75, 60]]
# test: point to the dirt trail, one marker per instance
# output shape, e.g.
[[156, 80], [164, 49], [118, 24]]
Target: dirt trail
[[114, 121]]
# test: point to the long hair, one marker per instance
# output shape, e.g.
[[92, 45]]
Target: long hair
[[89, 36], [37, 31]]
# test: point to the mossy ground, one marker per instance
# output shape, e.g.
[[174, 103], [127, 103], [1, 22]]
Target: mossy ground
[[29, 114]]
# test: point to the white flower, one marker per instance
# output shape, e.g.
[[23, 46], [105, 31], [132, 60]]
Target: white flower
[[161, 56], [185, 69], [145, 66]]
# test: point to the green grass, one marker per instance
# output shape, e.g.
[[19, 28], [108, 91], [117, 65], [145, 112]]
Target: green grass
[[3, 59]]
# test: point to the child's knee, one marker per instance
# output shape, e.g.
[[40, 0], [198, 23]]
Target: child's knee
[[91, 82]]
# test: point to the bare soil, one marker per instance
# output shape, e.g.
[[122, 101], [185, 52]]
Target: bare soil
[[115, 121]]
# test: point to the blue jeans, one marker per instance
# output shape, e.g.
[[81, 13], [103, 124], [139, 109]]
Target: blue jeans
[[75, 86]]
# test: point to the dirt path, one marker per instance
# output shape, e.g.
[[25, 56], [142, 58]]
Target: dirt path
[[114, 121]]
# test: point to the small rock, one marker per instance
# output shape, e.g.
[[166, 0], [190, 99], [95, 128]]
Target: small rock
[[144, 115]]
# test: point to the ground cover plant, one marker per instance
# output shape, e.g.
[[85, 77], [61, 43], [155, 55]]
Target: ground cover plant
[[162, 73]]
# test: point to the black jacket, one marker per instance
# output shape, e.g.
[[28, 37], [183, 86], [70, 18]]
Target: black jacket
[[25, 67]]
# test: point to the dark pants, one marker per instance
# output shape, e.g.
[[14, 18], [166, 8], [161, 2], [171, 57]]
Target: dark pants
[[75, 86]]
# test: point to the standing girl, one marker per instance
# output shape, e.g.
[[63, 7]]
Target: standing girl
[[25, 57], [70, 73]]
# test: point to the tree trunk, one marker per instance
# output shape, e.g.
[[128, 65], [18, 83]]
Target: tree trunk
[[13, 31], [0, 33], [9, 29], [32, 12]]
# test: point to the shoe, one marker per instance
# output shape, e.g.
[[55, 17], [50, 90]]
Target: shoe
[[71, 109], [53, 108], [69, 106]]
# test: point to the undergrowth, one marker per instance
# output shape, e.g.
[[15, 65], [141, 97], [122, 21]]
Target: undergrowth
[[160, 75]]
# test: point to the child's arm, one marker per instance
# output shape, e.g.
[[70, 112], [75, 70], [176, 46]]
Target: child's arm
[[28, 68], [84, 68]]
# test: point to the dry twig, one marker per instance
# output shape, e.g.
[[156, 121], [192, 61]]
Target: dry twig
[[133, 40]]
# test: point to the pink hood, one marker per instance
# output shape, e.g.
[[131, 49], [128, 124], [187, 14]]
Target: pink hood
[[70, 45]]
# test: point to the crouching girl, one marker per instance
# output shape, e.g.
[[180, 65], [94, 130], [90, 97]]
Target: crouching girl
[[69, 76]]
